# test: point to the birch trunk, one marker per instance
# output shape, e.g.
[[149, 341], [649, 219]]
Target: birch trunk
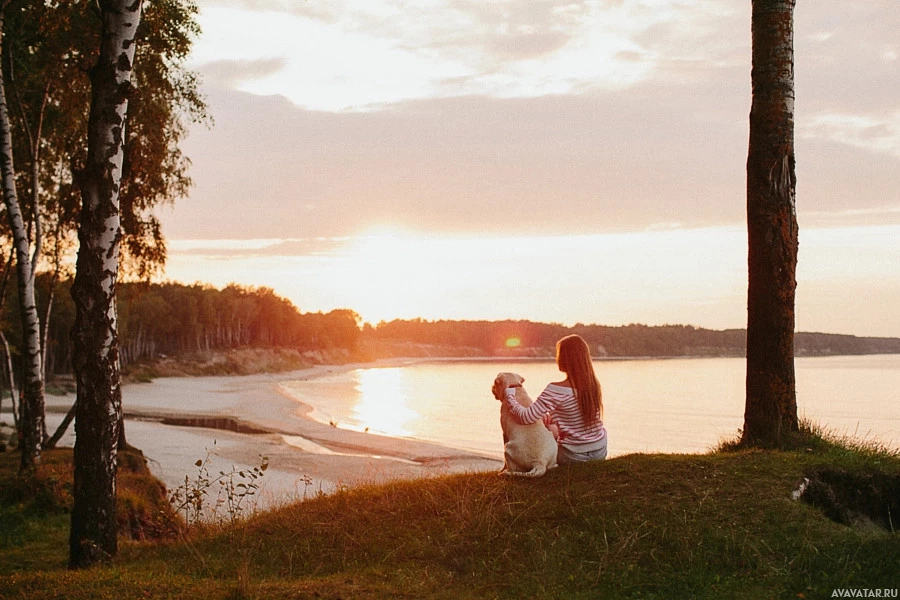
[[771, 402], [31, 408], [95, 336], [11, 375], [45, 331]]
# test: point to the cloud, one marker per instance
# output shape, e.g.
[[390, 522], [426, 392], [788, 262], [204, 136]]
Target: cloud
[[474, 117], [513, 31], [875, 133], [528, 43], [328, 12], [853, 217], [356, 55], [550, 165], [845, 56], [324, 65], [239, 249], [236, 73], [367, 54]]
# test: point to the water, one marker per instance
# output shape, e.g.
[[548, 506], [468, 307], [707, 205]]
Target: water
[[671, 405]]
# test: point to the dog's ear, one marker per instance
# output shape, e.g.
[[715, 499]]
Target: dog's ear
[[496, 388]]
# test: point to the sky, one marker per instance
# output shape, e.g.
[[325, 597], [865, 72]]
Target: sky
[[558, 161]]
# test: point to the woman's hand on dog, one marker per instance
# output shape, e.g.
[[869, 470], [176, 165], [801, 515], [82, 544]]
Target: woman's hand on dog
[[551, 426]]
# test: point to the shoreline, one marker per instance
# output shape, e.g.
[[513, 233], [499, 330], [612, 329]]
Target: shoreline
[[233, 421], [308, 456]]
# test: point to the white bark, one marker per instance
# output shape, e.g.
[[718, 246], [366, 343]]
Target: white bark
[[32, 406], [95, 336]]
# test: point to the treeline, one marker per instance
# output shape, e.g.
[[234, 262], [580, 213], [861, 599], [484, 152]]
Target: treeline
[[527, 338], [175, 319]]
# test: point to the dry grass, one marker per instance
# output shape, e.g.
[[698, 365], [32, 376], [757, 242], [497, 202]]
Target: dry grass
[[637, 526]]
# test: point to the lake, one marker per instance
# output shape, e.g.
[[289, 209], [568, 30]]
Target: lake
[[681, 405]]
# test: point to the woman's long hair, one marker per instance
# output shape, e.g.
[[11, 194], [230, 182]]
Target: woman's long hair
[[573, 357]]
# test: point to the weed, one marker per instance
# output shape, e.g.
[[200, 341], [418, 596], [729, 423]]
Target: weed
[[817, 439], [228, 497]]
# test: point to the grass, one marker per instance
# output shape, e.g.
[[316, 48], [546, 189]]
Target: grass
[[719, 525], [34, 511]]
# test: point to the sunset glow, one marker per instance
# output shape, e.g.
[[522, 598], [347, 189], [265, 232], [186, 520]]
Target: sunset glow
[[381, 405], [695, 277], [515, 161]]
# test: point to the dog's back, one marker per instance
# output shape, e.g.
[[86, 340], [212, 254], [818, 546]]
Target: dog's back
[[529, 449]]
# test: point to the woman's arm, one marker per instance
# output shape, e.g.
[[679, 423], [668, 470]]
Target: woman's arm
[[530, 414]]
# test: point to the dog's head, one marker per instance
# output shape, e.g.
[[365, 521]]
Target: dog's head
[[505, 380]]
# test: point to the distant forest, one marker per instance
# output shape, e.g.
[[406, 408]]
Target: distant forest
[[171, 319], [526, 338]]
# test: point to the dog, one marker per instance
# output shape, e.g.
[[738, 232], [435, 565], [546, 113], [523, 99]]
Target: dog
[[528, 450]]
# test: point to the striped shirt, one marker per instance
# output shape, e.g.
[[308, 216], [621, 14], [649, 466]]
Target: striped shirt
[[563, 408]]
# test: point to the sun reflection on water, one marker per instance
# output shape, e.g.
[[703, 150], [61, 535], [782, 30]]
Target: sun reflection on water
[[382, 403]]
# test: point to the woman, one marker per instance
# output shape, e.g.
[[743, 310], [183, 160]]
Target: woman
[[572, 409]]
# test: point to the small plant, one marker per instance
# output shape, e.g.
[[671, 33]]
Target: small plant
[[228, 497]]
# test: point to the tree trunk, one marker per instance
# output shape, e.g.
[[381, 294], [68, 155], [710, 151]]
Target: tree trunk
[[13, 390], [95, 336], [46, 439], [771, 402], [13, 393], [32, 403], [45, 332], [61, 430]]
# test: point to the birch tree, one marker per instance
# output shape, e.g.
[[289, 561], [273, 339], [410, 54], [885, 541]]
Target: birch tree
[[49, 48], [771, 403], [31, 418], [95, 336]]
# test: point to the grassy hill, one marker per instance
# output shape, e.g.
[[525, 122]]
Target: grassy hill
[[720, 525]]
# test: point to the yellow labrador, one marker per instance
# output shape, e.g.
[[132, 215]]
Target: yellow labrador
[[528, 450]]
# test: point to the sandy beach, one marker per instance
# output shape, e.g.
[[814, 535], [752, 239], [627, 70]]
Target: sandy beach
[[305, 457]]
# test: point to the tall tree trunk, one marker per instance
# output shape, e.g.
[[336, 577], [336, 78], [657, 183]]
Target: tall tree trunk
[[45, 331], [43, 342], [95, 336], [11, 375], [13, 393], [771, 402], [32, 404]]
